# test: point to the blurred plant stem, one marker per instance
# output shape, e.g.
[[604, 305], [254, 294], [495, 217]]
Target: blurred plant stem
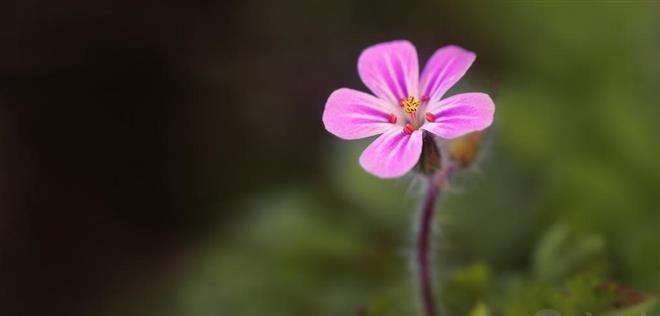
[[436, 183]]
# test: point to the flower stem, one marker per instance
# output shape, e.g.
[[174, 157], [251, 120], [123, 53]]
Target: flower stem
[[424, 233], [423, 248]]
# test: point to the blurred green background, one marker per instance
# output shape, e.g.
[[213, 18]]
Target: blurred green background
[[560, 213]]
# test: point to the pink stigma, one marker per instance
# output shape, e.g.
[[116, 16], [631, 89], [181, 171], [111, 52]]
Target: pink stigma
[[425, 98], [430, 117]]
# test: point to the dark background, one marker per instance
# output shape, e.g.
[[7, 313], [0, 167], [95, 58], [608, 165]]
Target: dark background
[[136, 137]]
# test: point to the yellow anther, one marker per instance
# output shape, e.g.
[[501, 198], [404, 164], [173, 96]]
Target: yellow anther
[[410, 104]]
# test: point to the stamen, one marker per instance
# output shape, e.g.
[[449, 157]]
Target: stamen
[[408, 129], [430, 117], [392, 118], [410, 104]]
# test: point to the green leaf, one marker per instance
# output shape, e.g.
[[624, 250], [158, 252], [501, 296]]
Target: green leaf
[[647, 308], [480, 310], [561, 253]]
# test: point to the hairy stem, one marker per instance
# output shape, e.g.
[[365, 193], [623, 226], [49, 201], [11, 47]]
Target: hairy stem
[[424, 248], [424, 233]]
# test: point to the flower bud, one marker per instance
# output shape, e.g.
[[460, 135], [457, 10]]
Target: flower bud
[[464, 150]]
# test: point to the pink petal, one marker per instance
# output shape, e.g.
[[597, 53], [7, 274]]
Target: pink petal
[[392, 154], [351, 114], [447, 65], [460, 114], [390, 70]]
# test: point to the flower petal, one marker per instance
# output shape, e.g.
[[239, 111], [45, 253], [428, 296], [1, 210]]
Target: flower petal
[[351, 114], [392, 154], [390, 70], [447, 65], [460, 114]]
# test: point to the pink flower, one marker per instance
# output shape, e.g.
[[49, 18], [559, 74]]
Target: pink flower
[[405, 105]]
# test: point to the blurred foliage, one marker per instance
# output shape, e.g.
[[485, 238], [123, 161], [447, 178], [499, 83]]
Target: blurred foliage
[[561, 214]]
